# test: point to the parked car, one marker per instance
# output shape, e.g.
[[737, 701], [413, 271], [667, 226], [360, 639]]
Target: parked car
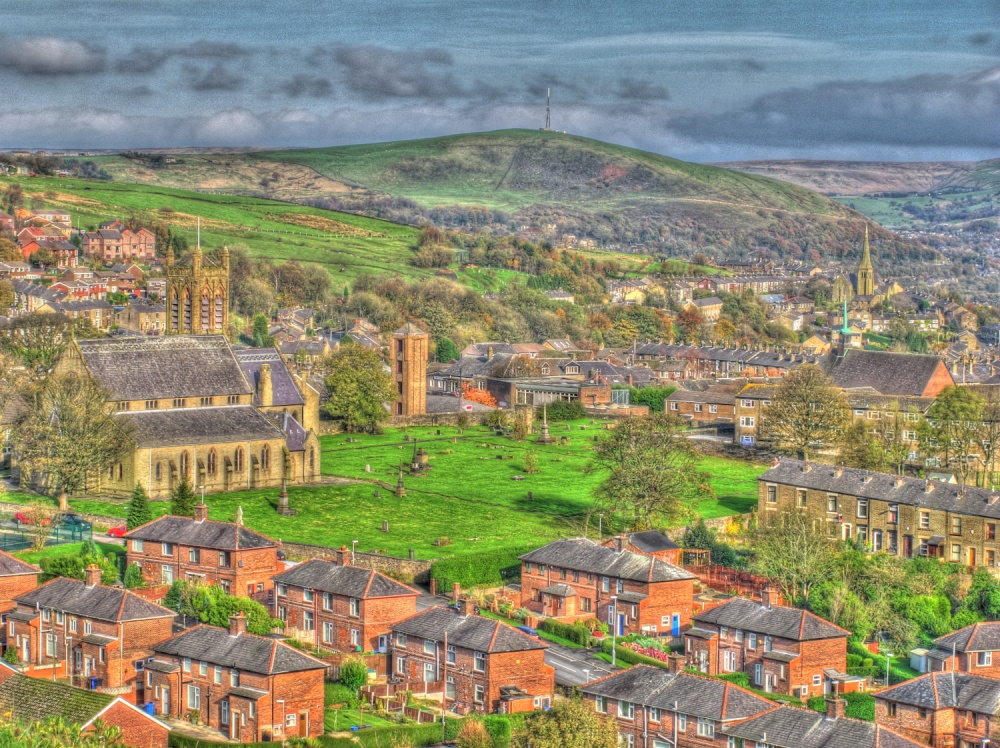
[[72, 520], [529, 631], [117, 532], [27, 518]]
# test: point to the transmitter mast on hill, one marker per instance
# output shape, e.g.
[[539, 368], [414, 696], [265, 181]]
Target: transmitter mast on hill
[[548, 109]]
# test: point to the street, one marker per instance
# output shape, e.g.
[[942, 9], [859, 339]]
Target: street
[[574, 667]]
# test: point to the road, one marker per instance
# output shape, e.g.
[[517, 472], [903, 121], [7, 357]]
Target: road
[[574, 667]]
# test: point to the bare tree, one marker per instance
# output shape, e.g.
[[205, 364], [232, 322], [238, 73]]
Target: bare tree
[[808, 410], [793, 552]]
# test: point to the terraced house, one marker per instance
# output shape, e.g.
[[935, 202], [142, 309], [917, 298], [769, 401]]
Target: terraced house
[[974, 649], [905, 517], [576, 579], [791, 727], [341, 607]]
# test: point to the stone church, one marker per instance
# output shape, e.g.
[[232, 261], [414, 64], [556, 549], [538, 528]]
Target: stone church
[[863, 290]]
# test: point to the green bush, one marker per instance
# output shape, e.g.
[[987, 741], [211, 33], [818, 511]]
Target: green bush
[[860, 705], [487, 568], [740, 679], [577, 633], [353, 674], [563, 410], [817, 703]]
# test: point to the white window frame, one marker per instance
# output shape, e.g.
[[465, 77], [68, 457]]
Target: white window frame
[[706, 728]]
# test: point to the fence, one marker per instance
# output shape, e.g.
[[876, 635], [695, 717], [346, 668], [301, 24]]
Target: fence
[[17, 539], [725, 579]]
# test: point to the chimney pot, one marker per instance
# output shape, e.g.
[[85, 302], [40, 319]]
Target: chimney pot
[[92, 575], [838, 471], [237, 624], [929, 486], [200, 512], [994, 498], [342, 556], [898, 482], [806, 467], [836, 708], [620, 542]]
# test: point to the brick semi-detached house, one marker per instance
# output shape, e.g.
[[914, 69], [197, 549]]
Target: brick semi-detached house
[[714, 405], [480, 664], [237, 559], [250, 688], [86, 628], [783, 650], [17, 577], [343, 608], [974, 649], [576, 579]]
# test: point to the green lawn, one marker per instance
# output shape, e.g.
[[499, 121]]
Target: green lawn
[[68, 549]]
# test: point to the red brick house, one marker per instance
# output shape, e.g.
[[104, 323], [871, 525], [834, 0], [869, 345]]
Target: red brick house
[[342, 608], [239, 560], [250, 688], [480, 664], [943, 710], [6, 222], [577, 579], [974, 649], [86, 629], [793, 727], [783, 650], [30, 700], [17, 577], [651, 543]]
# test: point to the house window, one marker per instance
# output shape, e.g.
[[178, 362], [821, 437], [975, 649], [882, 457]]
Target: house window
[[751, 641], [185, 464], [817, 680], [194, 697], [605, 584], [205, 402], [747, 421], [307, 595], [327, 632], [862, 535], [862, 508], [746, 403], [265, 457], [72, 625], [88, 629], [308, 623], [430, 646], [137, 546], [238, 460], [194, 555], [601, 704], [925, 520], [767, 643], [212, 462], [356, 638], [167, 549], [479, 662], [991, 531], [186, 664], [713, 408], [706, 728], [739, 635], [956, 525], [291, 719], [682, 722], [585, 605], [234, 678], [202, 668], [217, 675], [327, 601], [282, 590], [151, 405], [355, 607], [224, 559], [626, 710], [178, 402], [876, 541], [400, 640], [620, 585], [894, 513], [801, 497], [654, 714], [772, 494], [985, 659], [697, 407], [167, 574], [831, 502], [673, 406], [480, 694], [890, 709]]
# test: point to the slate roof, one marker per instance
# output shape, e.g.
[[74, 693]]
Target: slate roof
[[246, 652], [710, 301], [975, 693], [98, 602], [887, 373], [712, 396], [651, 541], [283, 389], [30, 700], [351, 581], [225, 536], [950, 497], [787, 623], [790, 727], [979, 637], [409, 329], [166, 366], [214, 425], [11, 567], [470, 632], [694, 695], [295, 433], [582, 554]]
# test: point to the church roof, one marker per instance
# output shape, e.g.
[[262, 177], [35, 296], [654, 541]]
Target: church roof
[[186, 426]]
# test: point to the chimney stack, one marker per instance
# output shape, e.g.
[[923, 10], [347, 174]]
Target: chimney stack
[[620, 542], [994, 498], [928, 485], [237, 624], [838, 471], [806, 467], [342, 556], [675, 663], [200, 512], [466, 607], [898, 482], [92, 575], [769, 597], [836, 708], [265, 392]]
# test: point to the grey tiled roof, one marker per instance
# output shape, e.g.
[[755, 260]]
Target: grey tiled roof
[[652, 541], [582, 554], [99, 602], [246, 652], [162, 367], [559, 590], [283, 389], [979, 637], [214, 425], [226, 536], [976, 693], [950, 497], [711, 396], [29, 700], [351, 581], [295, 434], [790, 727], [694, 695], [887, 373], [471, 632], [10, 566], [787, 623]]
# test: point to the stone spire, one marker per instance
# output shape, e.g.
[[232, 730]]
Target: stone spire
[[866, 272]]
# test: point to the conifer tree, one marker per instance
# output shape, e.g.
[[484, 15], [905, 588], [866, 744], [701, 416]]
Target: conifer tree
[[182, 502], [138, 508]]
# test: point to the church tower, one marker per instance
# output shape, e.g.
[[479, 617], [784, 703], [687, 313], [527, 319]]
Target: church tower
[[410, 349], [866, 273], [197, 294]]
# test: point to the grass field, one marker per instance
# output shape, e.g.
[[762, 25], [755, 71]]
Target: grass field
[[68, 549], [889, 212]]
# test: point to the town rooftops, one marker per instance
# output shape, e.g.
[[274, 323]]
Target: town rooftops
[[352, 581], [582, 554], [214, 425], [470, 632], [786, 623], [950, 497], [283, 389], [975, 693], [888, 373], [13, 567], [979, 637], [710, 301], [790, 727], [226, 536], [101, 603], [245, 652], [161, 367], [683, 693]]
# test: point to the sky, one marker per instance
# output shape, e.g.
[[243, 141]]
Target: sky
[[702, 80]]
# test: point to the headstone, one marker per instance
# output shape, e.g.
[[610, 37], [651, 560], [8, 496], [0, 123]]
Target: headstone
[[368, 468], [413, 555], [385, 525], [530, 496], [563, 440]]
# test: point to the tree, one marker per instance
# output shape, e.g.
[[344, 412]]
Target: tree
[[40, 514], [261, 332], [652, 470], [43, 257], [6, 294], [878, 444], [988, 435], [133, 578], [68, 433], [56, 732], [724, 332], [530, 462], [446, 350], [570, 723], [138, 508], [10, 252], [360, 388], [952, 429], [210, 604], [807, 410], [792, 552], [354, 673], [691, 321], [183, 501]]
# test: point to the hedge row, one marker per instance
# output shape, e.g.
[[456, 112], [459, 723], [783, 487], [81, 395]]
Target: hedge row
[[478, 569], [630, 656], [859, 705], [575, 633], [862, 662]]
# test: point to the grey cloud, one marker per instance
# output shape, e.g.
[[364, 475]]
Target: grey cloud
[[212, 50], [958, 111], [381, 73], [538, 84], [51, 56], [216, 78], [632, 89], [305, 85], [142, 60], [139, 91], [980, 38]]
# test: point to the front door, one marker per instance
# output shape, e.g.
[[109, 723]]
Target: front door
[[383, 643], [165, 700], [303, 724], [675, 625], [234, 726], [621, 624], [769, 682], [972, 557], [907, 546]]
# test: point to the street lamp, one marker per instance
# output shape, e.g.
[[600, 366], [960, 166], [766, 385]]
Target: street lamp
[[202, 494], [600, 527], [354, 546], [614, 627], [888, 656]]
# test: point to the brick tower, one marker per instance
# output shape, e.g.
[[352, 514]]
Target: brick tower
[[410, 348], [197, 295]]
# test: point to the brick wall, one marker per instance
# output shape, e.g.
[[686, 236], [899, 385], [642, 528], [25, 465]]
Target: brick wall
[[137, 729], [408, 570]]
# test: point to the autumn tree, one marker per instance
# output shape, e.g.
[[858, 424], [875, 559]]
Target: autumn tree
[[653, 473], [808, 410], [570, 723], [952, 429], [790, 550], [360, 388], [9, 251], [724, 331], [691, 320], [68, 433]]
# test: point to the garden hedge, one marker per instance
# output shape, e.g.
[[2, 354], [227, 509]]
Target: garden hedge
[[476, 569], [575, 633], [629, 656]]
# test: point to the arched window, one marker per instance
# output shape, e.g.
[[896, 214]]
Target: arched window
[[238, 460], [265, 458], [185, 464], [159, 471], [212, 462]]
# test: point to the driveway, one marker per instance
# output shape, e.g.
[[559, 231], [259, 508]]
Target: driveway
[[574, 667]]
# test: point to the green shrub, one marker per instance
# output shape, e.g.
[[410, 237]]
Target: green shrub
[[818, 703], [860, 705], [487, 568], [10, 656], [353, 674], [576, 633], [563, 410], [740, 679], [133, 577]]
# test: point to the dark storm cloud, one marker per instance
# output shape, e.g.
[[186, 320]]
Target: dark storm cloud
[[539, 84], [142, 60], [306, 85], [923, 110], [382, 73], [46, 55], [632, 89], [216, 78]]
